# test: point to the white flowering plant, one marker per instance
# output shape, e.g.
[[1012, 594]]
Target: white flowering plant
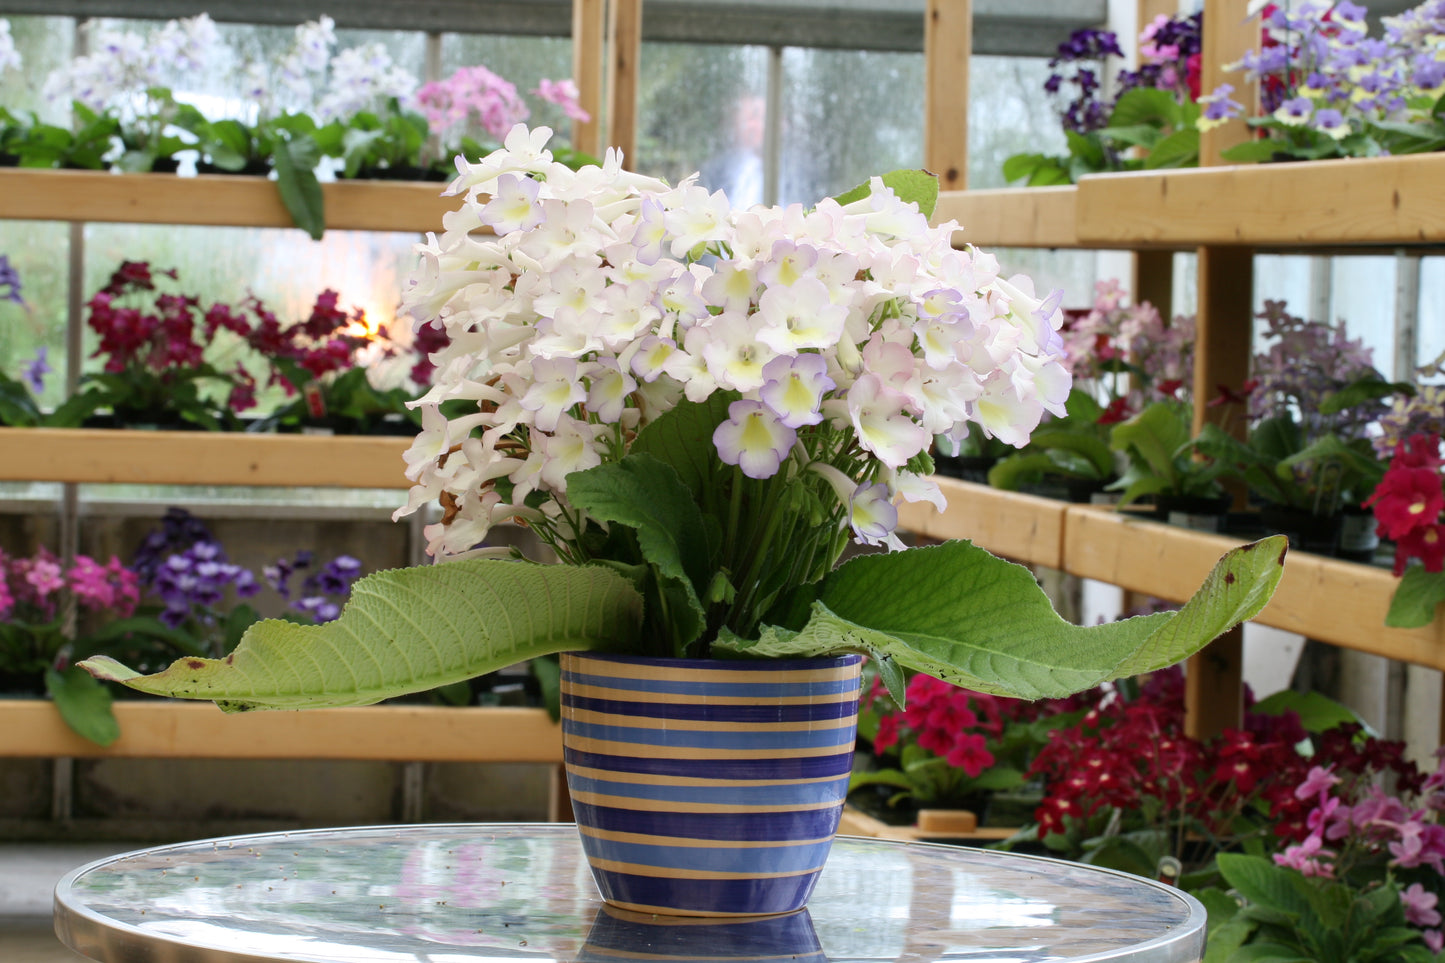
[[695, 407]]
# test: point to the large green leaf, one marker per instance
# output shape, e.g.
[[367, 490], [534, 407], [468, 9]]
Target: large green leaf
[[1415, 599], [84, 704], [682, 438], [648, 497], [1264, 884], [408, 630], [295, 161], [959, 613]]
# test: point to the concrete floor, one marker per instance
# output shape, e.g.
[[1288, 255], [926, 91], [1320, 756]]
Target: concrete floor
[[28, 874]]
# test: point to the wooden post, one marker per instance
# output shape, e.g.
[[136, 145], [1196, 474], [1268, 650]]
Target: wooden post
[[1154, 270], [947, 42], [624, 48], [589, 23], [1213, 693]]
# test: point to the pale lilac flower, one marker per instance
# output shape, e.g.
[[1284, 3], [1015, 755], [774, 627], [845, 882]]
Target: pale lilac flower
[[513, 206], [1218, 107], [35, 372], [881, 418], [872, 514], [10, 282], [754, 439], [1295, 112], [1332, 122], [9, 56], [793, 388]]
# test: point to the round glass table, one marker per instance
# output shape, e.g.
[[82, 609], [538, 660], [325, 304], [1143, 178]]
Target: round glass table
[[453, 893]]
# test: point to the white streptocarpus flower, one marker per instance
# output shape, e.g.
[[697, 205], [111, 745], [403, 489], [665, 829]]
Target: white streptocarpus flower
[[845, 337]]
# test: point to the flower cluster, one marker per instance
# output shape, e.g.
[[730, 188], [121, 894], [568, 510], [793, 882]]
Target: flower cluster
[[198, 577], [1304, 363], [1409, 501], [33, 589], [841, 339], [1129, 352], [1329, 88], [1078, 67], [1423, 412], [153, 341], [321, 590], [476, 94], [122, 65], [363, 78], [949, 743], [1354, 824], [1130, 759]]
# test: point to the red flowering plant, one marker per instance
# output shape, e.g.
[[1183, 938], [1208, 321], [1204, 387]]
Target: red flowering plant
[[154, 344], [1123, 357], [1126, 787], [1408, 504], [54, 614], [950, 748]]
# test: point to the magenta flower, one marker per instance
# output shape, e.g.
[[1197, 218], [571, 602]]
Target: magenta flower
[[564, 94], [1420, 905], [43, 575], [1317, 783]]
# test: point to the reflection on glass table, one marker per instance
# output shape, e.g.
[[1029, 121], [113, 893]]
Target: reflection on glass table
[[452, 893]]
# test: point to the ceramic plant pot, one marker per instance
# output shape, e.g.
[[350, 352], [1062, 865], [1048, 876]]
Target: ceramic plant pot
[[622, 935], [708, 787]]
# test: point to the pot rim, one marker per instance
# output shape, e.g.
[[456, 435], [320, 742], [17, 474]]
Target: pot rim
[[831, 661]]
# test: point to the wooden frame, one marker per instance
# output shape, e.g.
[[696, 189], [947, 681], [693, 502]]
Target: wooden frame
[[105, 456], [1022, 527], [214, 199], [1012, 217]]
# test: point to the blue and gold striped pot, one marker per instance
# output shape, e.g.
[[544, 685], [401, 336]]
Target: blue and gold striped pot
[[707, 787]]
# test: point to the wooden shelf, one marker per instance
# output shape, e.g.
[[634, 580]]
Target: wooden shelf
[[214, 199], [1314, 204], [1012, 217], [1342, 603], [164, 729], [1024, 528], [86, 455]]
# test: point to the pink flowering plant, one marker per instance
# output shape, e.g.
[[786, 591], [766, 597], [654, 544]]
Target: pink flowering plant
[[1363, 884], [52, 614], [471, 111], [696, 408]]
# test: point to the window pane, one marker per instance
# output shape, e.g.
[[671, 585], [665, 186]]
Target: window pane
[[522, 62], [847, 115], [1008, 114], [700, 108], [1431, 322]]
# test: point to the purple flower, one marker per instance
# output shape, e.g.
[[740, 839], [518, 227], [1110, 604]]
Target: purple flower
[[1332, 122], [37, 369], [9, 282], [1420, 905]]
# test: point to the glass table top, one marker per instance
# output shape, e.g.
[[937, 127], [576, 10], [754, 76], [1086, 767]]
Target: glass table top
[[465, 892]]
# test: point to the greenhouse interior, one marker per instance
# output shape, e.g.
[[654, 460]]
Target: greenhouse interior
[[838, 480]]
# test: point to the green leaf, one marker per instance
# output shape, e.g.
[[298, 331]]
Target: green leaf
[[880, 777], [956, 612], [1135, 135], [300, 190], [84, 704], [1317, 712], [1015, 471], [892, 675], [408, 630], [912, 187], [1095, 450], [1415, 599], [647, 495], [1179, 149], [1252, 152], [1263, 883], [1020, 166], [1358, 392], [1145, 105]]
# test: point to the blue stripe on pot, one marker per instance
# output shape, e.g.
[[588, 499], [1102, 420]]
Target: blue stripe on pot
[[728, 795], [704, 787], [717, 897], [761, 825], [770, 738], [730, 713]]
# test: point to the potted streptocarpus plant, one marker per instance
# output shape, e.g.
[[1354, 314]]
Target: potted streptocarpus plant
[[696, 408]]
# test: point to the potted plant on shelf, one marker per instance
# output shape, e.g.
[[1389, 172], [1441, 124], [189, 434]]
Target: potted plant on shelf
[[695, 407], [1073, 451], [1159, 445]]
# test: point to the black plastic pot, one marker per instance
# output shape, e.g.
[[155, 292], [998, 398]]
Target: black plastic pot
[[971, 468], [1197, 512], [1307, 532]]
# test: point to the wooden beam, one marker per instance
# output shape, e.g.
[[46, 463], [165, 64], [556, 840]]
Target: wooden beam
[[1154, 280], [1319, 204], [228, 200], [164, 729], [1024, 528], [947, 43], [1011, 216], [589, 37], [624, 50], [104, 456], [1228, 32]]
